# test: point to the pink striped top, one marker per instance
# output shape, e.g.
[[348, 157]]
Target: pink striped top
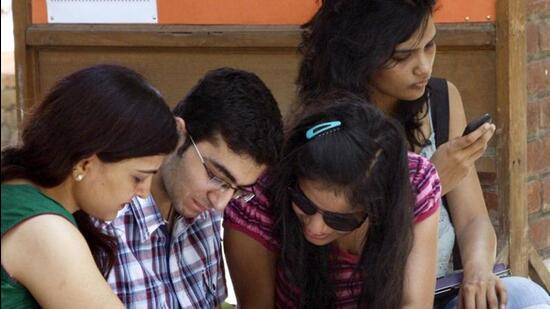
[[255, 220]]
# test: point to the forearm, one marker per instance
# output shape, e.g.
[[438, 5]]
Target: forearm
[[420, 269], [477, 243], [252, 269]]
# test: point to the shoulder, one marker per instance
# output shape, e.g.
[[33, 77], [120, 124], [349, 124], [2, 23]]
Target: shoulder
[[40, 240], [254, 218], [256, 210], [421, 170], [23, 202], [457, 119], [426, 186], [455, 100]]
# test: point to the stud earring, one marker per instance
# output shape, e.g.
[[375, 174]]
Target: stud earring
[[79, 177]]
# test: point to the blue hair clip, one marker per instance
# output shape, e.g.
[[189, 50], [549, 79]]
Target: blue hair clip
[[321, 128]]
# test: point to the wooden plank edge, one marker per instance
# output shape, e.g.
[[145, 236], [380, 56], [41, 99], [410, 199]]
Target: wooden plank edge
[[478, 36]]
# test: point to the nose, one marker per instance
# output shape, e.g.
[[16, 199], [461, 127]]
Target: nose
[[143, 189], [424, 66], [219, 199], [315, 224]]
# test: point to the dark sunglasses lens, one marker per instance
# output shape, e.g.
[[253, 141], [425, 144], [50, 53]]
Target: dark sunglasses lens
[[302, 203], [338, 223]]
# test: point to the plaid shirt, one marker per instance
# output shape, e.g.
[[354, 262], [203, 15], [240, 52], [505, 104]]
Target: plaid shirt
[[153, 272]]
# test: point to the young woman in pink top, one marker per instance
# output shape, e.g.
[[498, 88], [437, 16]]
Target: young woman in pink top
[[336, 221]]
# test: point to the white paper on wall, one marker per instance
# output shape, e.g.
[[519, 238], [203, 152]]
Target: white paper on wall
[[102, 11]]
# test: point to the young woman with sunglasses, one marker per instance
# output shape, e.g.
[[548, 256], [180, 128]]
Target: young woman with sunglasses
[[384, 50], [337, 217]]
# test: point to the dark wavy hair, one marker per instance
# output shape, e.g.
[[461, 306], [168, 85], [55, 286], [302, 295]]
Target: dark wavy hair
[[107, 110], [347, 41], [237, 105], [366, 161]]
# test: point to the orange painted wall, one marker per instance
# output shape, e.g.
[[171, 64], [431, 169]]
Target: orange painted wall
[[279, 11]]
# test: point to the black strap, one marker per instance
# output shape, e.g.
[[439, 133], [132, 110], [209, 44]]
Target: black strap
[[439, 104]]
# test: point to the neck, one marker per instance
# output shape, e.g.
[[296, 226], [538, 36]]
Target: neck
[[353, 242], [158, 190], [385, 103], [63, 194]]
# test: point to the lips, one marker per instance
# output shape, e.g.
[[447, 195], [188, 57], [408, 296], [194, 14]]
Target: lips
[[315, 236], [199, 207], [421, 83]]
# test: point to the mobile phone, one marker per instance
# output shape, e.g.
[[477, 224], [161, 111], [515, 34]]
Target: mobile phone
[[476, 123]]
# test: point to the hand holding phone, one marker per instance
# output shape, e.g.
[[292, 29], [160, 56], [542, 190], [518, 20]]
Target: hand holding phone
[[476, 123]]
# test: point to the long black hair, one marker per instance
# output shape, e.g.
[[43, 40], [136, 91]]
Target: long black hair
[[107, 110], [366, 160], [347, 41]]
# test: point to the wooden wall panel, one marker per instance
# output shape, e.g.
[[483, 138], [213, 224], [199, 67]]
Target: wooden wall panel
[[175, 70], [174, 63], [473, 73]]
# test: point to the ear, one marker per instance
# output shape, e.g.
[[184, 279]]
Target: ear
[[182, 131], [180, 125], [84, 166]]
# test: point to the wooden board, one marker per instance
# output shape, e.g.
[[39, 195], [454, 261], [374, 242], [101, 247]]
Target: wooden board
[[512, 115], [175, 57]]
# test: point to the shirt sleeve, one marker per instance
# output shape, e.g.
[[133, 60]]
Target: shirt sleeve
[[253, 218], [426, 187]]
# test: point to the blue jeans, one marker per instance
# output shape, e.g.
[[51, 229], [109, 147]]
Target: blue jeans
[[522, 293]]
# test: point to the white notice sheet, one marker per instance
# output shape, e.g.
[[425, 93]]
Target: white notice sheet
[[102, 11]]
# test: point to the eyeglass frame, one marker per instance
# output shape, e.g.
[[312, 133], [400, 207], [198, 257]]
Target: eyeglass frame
[[296, 192], [245, 196]]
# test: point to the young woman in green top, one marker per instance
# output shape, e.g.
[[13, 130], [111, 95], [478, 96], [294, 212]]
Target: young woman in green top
[[92, 144]]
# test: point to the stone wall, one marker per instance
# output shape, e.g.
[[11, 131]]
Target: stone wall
[[9, 111], [538, 123]]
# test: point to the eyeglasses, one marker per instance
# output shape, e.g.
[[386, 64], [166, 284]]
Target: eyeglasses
[[338, 221], [239, 193]]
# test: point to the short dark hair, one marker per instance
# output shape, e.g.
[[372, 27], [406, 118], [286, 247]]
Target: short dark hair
[[107, 110], [364, 159], [240, 107]]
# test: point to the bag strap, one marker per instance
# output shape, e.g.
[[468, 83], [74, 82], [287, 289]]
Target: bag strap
[[439, 104]]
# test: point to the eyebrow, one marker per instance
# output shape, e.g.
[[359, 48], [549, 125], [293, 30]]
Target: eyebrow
[[227, 173], [148, 171], [413, 49]]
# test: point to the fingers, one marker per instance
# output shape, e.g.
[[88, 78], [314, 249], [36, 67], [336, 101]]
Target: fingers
[[475, 150], [486, 131], [468, 297], [492, 300], [460, 304], [481, 296], [501, 292], [484, 294], [476, 153]]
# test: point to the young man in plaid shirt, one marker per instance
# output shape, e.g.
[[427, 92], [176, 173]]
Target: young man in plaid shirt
[[169, 243]]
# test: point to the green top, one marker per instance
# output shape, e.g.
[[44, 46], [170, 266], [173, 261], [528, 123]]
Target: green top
[[19, 203]]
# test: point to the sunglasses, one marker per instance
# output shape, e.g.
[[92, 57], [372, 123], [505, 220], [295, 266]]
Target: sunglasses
[[337, 221]]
